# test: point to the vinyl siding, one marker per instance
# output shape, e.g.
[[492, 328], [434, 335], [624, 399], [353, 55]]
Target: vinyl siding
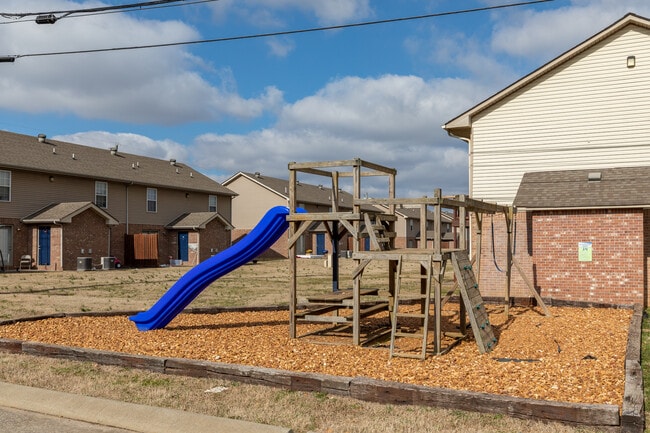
[[590, 113], [252, 202], [31, 192]]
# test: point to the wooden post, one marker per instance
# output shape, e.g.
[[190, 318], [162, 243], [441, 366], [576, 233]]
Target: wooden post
[[423, 225], [462, 244], [479, 245], [508, 217], [335, 233], [292, 256], [356, 287], [437, 209]]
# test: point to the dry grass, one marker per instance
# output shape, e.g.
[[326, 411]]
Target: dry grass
[[28, 294]]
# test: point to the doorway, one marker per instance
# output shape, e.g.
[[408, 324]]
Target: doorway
[[183, 246], [44, 245]]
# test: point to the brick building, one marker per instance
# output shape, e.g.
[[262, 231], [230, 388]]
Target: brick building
[[62, 202], [568, 145]]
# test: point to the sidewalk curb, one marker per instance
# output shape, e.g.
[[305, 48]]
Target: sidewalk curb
[[129, 416]]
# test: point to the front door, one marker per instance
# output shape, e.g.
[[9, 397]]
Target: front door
[[320, 243], [183, 246], [44, 245], [6, 246]]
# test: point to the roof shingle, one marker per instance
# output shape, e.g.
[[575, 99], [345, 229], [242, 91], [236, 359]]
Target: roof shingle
[[617, 187], [57, 157]]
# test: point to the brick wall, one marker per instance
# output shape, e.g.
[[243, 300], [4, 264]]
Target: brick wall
[[547, 249], [213, 239], [87, 236]]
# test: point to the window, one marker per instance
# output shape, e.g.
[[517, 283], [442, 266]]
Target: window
[[212, 203], [101, 194], [152, 200], [5, 185]]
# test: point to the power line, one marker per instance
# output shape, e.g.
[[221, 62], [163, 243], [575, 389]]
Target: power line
[[280, 33], [97, 9], [120, 11]]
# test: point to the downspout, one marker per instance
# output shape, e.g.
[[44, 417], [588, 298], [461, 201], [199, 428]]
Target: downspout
[[126, 223], [470, 163]]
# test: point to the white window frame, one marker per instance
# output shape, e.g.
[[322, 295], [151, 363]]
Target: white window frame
[[99, 193], [152, 197], [212, 207], [7, 185]]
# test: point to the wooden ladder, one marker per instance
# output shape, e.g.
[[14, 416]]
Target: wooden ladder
[[423, 316], [378, 233], [478, 316]]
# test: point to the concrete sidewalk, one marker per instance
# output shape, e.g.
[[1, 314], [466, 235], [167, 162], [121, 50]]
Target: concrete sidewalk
[[120, 415]]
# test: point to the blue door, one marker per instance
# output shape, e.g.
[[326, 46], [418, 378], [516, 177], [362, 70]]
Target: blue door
[[43, 245], [320, 243], [183, 246]]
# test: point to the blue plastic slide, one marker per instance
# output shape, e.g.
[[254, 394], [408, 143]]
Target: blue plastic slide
[[191, 284]]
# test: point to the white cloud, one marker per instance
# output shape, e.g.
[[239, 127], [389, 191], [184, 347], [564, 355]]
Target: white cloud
[[545, 34], [129, 143], [270, 13], [159, 85], [391, 120], [281, 47]]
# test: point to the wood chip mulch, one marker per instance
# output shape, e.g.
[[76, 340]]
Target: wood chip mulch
[[577, 355]]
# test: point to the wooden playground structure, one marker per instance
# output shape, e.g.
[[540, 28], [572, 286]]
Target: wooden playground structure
[[374, 219]]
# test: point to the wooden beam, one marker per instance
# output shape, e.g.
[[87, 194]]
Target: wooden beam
[[293, 238], [479, 205], [324, 216], [359, 270], [530, 286], [374, 243], [350, 228]]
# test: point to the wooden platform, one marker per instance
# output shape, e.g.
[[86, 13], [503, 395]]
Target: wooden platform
[[406, 254]]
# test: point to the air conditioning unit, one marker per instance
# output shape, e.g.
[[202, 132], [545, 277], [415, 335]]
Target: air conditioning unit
[[108, 262], [84, 263]]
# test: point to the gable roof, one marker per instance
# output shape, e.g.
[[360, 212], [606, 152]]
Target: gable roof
[[29, 153], [305, 193], [62, 213], [572, 189], [196, 221], [461, 125]]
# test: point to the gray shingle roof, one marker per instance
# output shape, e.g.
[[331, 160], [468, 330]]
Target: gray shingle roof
[[196, 220], [28, 153], [64, 212], [305, 193], [618, 187]]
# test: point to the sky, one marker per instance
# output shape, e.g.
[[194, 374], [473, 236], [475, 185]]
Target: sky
[[377, 92]]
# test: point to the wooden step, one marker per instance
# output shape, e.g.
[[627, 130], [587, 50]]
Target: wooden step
[[408, 355], [418, 335], [412, 315]]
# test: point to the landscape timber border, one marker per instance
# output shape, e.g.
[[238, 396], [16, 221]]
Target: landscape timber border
[[630, 418]]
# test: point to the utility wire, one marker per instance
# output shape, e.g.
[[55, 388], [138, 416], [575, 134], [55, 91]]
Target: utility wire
[[120, 11], [97, 9], [281, 33]]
